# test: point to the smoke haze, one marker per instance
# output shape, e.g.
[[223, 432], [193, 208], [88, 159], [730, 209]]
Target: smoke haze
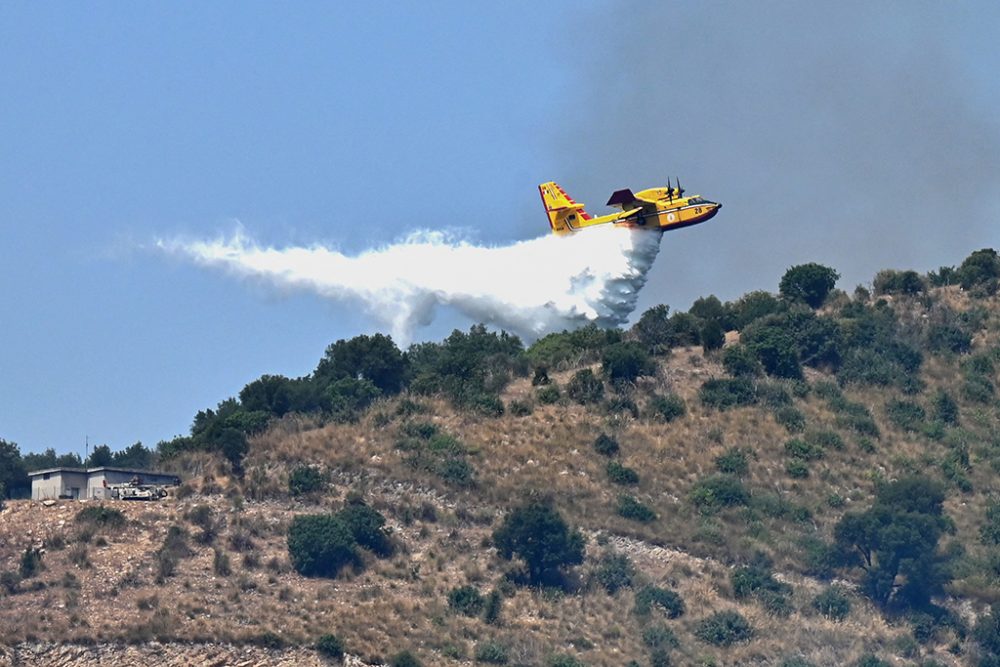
[[530, 287], [860, 135]]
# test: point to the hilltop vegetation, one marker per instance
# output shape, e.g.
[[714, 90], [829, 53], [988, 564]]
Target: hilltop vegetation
[[806, 477]]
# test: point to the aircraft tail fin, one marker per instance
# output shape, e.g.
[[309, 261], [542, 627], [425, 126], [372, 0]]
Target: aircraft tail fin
[[564, 213]]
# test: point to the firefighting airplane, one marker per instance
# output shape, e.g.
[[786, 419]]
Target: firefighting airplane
[[657, 208]]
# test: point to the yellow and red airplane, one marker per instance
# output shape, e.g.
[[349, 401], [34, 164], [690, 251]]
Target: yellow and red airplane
[[657, 208]]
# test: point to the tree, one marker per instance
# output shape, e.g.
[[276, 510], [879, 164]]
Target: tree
[[538, 535], [134, 456], [13, 475], [269, 393], [809, 283], [774, 345], [101, 456], [980, 267], [585, 387], [896, 540], [373, 358]]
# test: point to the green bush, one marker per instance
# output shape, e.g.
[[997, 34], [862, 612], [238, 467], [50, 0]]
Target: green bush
[[491, 652], [585, 387], [724, 628], [733, 461], [668, 601], [320, 545], [606, 445], [722, 393], [989, 533], [625, 362], [494, 605], [825, 439], [987, 634], [945, 408], [548, 394], [630, 508], [797, 469], [712, 493], [367, 526], [668, 408], [404, 659], [620, 474], [330, 646], [538, 535], [466, 600], [757, 582], [898, 282], [871, 660], [775, 347], [739, 361], [614, 572], [833, 603], [563, 660], [305, 480], [31, 563], [791, 418], [907, 415], [659, 636], [805, 451]]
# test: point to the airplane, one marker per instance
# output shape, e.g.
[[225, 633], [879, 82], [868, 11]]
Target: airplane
[[655, 209]]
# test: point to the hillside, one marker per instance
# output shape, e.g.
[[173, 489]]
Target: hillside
[[719, 456]]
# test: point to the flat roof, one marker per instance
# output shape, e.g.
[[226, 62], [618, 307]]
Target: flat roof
[[87, 471]]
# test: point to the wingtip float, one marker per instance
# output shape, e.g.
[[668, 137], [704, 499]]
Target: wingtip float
[[659, 209]]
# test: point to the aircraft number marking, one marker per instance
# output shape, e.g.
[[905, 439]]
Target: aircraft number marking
[[670, 217]]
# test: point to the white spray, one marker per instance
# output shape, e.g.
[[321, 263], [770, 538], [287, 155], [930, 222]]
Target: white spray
[[530, 287]]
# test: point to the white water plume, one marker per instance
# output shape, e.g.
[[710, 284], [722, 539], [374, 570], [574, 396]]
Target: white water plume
[[530, 287]]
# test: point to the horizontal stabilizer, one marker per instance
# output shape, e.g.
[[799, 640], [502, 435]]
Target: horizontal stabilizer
[[621, 197]]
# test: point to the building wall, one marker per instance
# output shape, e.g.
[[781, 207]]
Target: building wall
[[59, 484]]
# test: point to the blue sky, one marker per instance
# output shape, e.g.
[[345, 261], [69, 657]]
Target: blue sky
[[860, 136]]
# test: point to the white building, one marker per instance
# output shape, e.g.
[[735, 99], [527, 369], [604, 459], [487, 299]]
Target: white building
[[91, 482]]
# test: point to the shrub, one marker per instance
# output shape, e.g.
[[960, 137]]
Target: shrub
[[756, 581], [606, 445], [493, 607], [724, 393], [630, 508], [614, 572], [520, 408], [220, 564], [800, 449], [669, 407], [945, 408], [659, 636], [825, 439], [563, 660], [987, 634], [724, 628], [809, 283], [330, 646], [31, 563], [466, 600], [538, 535], [319, 545], [305, 480], [367, 527], [739, 361], [712, 335], [491, 652], [548, 394], [833, 603], [620, 474], [989, 533], [404, 659], [101, 516], [733, 462], [791, 418], [871, 660], [898, 282], [711, 494], [585, 387], [669, 601], [775, 347], [907, 415], [797, 469], [624, 362]]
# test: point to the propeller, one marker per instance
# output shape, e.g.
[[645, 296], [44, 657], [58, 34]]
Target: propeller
[[680, 190], [670, 191]]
